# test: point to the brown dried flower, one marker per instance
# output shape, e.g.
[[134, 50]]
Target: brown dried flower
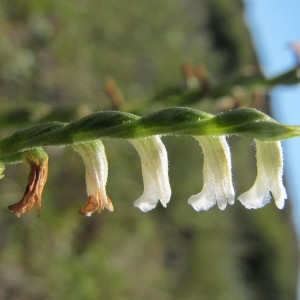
[[36, 182]]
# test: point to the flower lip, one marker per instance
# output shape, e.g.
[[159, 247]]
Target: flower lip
[[269, 177], [217, 179], [96, 172], [154, 161]]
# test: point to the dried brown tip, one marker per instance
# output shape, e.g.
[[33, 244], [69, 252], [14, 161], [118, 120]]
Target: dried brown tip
[[109, 206], [188, 70], [89, 207], [190, 76], [93, 205], [202, 76], [113, 93], [33, 193], [201, 72]]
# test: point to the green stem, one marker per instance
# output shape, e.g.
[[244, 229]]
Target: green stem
[[170, 121]]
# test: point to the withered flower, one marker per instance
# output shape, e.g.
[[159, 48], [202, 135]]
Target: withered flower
[[37, 160]]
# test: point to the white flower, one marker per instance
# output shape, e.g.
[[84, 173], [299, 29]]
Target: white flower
[[2, 168], [154, 160], [268, 179], [96, 171], [217, 182]]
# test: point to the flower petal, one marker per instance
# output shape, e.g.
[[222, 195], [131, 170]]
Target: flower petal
[[154, 160], [96, 172], [2, 168], [217, 181], [269, 177]]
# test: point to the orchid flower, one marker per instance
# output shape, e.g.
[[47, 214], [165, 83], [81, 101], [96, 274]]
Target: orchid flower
[[269, 177], [154, 162], [96, 171], [37, 160], [217, 186]]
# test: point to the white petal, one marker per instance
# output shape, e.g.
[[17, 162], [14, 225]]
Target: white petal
[[154, 160], [268, 179], [217, 181], [2, 168], [96, 171]]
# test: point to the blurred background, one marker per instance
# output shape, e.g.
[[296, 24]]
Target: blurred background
[[61, 60]]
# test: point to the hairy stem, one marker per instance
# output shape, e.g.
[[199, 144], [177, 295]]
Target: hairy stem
[[170, 121]]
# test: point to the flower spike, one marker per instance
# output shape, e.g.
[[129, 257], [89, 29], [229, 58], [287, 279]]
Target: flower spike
[[217, 182], [144, 133], [154, 160], [37, 160], [96, 171], [269, 177]]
